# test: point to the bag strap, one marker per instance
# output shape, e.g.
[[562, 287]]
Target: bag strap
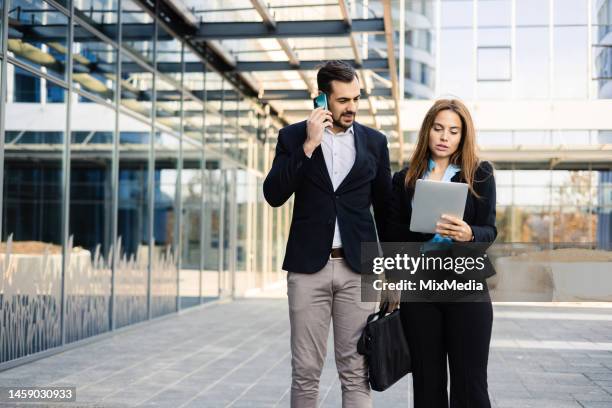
[[380, 314], [383, 310]]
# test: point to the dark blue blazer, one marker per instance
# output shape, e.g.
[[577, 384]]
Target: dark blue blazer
[[479, 214], [316, 204], [479, 211]]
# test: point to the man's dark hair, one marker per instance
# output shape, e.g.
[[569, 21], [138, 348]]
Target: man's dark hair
[[334, 71]]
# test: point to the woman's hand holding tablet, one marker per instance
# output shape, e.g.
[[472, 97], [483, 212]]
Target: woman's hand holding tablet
[[454, 228]]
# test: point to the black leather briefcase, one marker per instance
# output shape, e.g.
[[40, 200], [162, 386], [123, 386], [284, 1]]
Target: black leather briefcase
[[386, 349]]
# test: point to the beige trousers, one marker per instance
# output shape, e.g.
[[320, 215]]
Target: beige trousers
[[333, 293]]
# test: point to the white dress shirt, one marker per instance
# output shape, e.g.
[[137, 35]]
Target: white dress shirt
[[339, 153]]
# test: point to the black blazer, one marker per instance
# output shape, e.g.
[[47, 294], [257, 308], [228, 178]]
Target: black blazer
[[316, 204], [479, 212]]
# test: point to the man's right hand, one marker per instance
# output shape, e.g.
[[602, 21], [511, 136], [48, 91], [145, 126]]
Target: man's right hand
[[315, 126]]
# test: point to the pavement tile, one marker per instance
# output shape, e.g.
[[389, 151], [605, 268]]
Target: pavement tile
[[236, 354]]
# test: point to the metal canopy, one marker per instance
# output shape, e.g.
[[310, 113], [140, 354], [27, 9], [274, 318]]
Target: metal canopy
[[287, 29], [261, 51], [273, 61], [229, 95], [214, 31], [374, 64]]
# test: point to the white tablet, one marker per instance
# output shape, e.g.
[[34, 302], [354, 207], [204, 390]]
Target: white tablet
[[434, 198]]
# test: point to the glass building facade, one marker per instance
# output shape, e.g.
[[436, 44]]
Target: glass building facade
[[536, 75], [132, 174]]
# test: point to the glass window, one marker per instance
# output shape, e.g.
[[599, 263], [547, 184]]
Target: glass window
[[94, 66], [532, 74], [261, 233], [536, 137], [248, 131], [570, 62], [417, 6], [193, 119], [1, 27], [570, 12], [244, 197], [168, 48], [428, 41], [55, 94], [424, 74], [28, 137], [138, 31], [574, 224], [409, 37], [91, 122], [494, 37], [274, 241], [92, 137], [132, 219], [535, 224], [136, 87], [38, 35], [212, 224], [133, 213], [494, 13], [193, 78], [167, 86], [168, 104], [456, 63], [532, 12], [32, 228], [603, 73], [494, 138], [101, 14], [533, 185], [494, 64], [164, 266], [419, 39], [214, 83], [572, 137], [90, 224], [26, 87], [456, 13], [229, 188], [494, 90], [232, 131], [167, 145], [191, 227], [604, 19]]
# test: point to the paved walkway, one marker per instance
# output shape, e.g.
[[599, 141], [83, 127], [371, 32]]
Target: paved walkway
[[237, 355]]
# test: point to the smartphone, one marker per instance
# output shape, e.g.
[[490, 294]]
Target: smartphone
[[320, 101]]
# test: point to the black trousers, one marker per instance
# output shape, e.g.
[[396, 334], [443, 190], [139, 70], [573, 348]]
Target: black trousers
[[459, 330]]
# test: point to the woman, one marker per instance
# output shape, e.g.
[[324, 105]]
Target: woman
[[461, 330]]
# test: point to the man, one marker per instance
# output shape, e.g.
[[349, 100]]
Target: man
[[337, 169]]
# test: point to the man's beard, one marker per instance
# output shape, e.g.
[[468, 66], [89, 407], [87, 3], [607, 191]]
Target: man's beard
[[338, 123]]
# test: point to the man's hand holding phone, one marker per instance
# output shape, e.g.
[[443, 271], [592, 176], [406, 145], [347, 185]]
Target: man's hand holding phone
[[318, 120]]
